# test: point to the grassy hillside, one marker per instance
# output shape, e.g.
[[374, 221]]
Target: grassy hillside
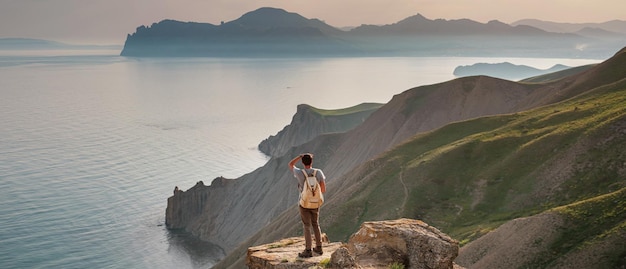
[[468, 178], [596, 225], [585, 234]]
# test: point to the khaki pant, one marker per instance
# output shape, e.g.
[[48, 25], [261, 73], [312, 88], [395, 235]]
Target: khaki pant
[[310, 219]]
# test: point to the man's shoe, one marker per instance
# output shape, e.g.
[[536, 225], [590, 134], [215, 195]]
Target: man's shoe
[[305, 254], [318, 250]]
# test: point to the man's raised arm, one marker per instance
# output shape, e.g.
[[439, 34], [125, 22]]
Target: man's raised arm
[[293, 162]]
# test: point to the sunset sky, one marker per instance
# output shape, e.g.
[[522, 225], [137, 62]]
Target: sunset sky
[[108, 22]]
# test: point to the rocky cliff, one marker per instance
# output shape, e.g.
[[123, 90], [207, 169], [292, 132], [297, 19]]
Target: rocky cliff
[[310, 122], [410, 243]]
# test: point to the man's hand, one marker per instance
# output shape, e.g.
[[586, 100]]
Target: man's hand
[[293, 162]]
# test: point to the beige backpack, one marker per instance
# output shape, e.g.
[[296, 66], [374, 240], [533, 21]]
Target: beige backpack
[[311, 196]]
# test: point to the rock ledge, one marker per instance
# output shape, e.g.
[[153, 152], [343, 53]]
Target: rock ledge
[[412, 243]]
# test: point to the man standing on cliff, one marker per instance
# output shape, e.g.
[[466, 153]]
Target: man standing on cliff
[[310, 217]]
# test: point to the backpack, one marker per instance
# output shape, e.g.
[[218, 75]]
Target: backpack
[[311, 196]]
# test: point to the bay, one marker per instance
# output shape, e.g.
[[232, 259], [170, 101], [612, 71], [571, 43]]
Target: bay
[[92, 144]]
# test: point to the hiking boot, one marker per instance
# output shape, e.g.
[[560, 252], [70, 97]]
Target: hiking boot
[[318, 250], [305, 254]]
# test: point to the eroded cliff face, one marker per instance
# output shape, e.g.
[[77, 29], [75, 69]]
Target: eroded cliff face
[[184, 207]]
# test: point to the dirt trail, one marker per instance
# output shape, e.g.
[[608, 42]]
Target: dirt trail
[[406, 190]]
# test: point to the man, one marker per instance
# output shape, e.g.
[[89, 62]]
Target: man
[[310, 217]]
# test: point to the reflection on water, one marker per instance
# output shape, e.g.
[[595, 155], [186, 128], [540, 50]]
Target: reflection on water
[[201, 254]]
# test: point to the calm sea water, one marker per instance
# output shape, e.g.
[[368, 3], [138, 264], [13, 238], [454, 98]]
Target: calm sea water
[[92, 144]]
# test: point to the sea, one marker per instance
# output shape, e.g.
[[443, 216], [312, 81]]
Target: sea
[[92, 144]]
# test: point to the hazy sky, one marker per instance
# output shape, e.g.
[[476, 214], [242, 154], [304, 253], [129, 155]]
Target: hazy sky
[[109, 21]]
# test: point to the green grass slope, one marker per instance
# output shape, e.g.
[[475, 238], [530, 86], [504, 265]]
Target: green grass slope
[[469, 177], [593, 228], [585, 234]]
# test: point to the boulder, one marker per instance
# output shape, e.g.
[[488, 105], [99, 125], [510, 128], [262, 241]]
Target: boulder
[[410, 242]]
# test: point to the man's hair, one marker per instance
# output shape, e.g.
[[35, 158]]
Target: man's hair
[[307, 159]]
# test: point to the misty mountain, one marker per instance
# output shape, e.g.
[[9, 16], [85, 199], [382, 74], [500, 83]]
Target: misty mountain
[[42, 44], [265, 31], [276, 32], [30, 43], [599, 33], [615, 26], [420, 25], [264, 19]]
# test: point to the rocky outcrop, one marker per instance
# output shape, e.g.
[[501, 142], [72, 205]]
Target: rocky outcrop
[[284, 254], [410, 242], [379, 244], [310, 122], [184, 206]]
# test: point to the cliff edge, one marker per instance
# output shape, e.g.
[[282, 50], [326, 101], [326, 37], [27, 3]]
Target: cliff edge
[[310, 122], [379, 244]]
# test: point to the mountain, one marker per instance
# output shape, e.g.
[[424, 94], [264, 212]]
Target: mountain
[[264, 19], [29, 43], [265, 31], [42, 44], [504, 70], [420, 25], [269, 32], [554, 149], [598, 33], [616, 26]]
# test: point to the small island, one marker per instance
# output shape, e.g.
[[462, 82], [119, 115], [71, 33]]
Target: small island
[[504, 70]]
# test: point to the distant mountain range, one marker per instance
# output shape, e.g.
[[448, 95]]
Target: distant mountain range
[[614, 26], [41, 44], [29, 43], [276, 32]]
